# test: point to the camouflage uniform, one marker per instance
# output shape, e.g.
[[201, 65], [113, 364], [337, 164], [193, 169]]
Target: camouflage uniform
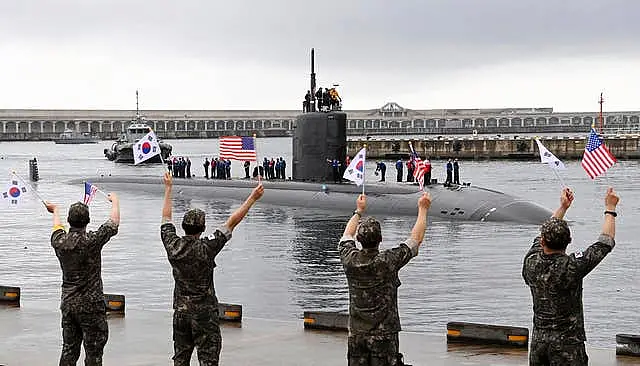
[[556, 287], [195, 317], [373, 281], [83, 311]]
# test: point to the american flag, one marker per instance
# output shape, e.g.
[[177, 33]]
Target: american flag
[[237, 148], [420, 168], [597, 158], [89, 193]]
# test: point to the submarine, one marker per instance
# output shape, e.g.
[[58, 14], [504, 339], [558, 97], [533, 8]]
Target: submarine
[[320, 134]]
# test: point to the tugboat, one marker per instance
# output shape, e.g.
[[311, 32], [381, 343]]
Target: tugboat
[[122, 150], [72, 137]]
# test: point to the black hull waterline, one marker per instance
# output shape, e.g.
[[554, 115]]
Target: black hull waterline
[[453, 203]]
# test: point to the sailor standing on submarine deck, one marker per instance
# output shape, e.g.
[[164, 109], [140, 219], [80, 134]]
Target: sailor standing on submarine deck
[[195, 306], [372, 277]]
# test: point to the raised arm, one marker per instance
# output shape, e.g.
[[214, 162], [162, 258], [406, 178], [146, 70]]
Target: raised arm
[[166, 207], [115, 208], [241, 212], [56, 215], [586, 261], [566, 199], [352, 224], [417, 233], [610, 204]]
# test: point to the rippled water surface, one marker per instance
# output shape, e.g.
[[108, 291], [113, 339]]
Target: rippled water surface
[[282, 260]]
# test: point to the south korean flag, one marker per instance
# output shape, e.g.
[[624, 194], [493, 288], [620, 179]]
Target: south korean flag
[[14, 192], [146, 148]]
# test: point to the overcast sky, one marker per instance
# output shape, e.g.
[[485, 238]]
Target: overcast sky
[[241, 54]]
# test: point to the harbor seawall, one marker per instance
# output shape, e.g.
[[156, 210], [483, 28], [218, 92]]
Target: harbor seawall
[[481, 147]]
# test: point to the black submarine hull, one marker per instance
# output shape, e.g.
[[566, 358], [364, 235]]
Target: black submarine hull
[[465, 203]]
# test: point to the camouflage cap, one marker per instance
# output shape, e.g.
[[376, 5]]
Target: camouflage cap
[[556, 233], [194, 217], [78, 215], [369, 232]]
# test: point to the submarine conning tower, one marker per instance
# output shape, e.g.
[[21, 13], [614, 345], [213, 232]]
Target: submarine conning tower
[[319, 134]]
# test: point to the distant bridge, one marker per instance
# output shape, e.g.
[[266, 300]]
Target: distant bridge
[[390, 119]]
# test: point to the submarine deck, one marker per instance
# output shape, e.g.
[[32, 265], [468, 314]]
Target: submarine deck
[[33, 337]]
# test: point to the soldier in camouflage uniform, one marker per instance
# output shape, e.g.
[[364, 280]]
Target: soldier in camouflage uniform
[[373, 281], [195, 316], [84, 318], [555, 279]]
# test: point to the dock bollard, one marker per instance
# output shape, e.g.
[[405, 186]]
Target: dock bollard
[[329, 320], [115, 304], [10, 296], [628, 344], [230, 312], [472, 333]]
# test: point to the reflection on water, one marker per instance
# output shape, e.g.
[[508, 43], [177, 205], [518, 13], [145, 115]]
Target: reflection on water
[[282, 261], [317, 279]]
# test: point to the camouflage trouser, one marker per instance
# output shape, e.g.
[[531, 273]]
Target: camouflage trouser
[[373, 350], [90, 327], [200, 330], [557, 354]]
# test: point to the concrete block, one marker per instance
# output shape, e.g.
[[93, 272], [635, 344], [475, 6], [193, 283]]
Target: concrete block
[[230, 312], [473, 333], [10, 296], [628, 344], [115, 304], [329, 320]]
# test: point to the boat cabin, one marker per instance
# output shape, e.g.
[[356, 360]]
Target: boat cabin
[[136, 131]]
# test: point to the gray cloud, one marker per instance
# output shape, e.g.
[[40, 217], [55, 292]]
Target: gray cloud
[[401, 45], [439, 33]]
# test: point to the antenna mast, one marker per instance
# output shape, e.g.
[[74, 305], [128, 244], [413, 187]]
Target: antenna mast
[[601, 101], [137, 108], [313, 81]]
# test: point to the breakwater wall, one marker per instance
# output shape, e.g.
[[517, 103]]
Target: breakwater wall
[[479, 147]]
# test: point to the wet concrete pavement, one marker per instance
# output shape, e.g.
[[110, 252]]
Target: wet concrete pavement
[[33, 337]]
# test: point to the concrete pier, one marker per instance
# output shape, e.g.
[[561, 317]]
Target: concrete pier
[[33, 337], [389, 119]]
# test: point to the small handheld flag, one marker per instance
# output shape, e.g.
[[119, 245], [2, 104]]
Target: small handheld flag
[[355, 170], [89, 193], [14, 192], [420, 167], [596, 158], [547, 157], [146, 148]]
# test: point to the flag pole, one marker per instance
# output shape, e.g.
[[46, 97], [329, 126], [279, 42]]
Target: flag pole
[[364, 176], [160, 152], [559, 177], [30, 186], [255, 148]]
